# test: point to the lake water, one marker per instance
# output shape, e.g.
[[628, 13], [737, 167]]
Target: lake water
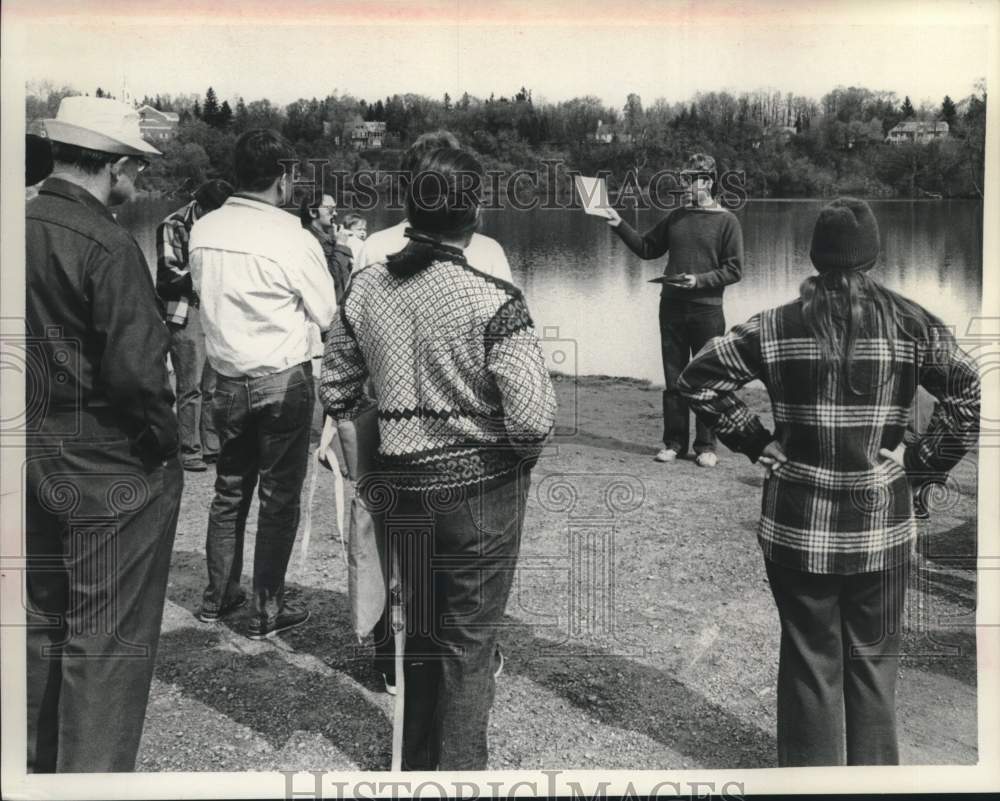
[[585, 287]]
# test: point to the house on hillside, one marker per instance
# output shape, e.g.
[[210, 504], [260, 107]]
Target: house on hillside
[[157, 126], [917, 131], [368, 135], [606, 133]]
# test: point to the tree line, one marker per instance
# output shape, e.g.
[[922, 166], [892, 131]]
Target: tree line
[[787, 145]]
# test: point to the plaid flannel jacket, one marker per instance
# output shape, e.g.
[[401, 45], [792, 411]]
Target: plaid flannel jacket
[[173, 280], [462, 389], [836, 506]]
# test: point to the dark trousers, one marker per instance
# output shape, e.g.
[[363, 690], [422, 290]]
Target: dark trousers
[[195, 383], [685, 327], [457, 554], [840, 644], [100, 530], [263, 426]]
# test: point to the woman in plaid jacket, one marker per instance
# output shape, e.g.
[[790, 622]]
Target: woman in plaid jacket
[[841, 365]]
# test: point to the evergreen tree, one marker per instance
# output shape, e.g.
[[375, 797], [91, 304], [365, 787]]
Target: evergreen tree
[[224, 116], [210, 111], [447, 102], [948, 111], [907, 110], [196, 109], [99, 92]]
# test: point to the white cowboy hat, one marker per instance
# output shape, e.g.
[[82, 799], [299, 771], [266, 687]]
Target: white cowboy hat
[[101, 124]]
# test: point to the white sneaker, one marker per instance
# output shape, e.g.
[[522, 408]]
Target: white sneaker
[[706, 459], [666, 455]]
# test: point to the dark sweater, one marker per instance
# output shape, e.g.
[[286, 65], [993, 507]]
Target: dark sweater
[[708, 244]]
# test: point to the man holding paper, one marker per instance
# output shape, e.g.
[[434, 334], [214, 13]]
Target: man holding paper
[[705, 243]]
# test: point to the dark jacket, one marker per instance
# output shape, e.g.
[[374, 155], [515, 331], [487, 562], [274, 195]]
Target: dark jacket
[[94, 325], [339, 261]]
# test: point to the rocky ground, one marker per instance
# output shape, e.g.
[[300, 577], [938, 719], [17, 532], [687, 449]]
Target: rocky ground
[[641, 633]]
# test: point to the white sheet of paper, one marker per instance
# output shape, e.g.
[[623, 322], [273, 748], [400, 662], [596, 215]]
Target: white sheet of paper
[[593, 195]]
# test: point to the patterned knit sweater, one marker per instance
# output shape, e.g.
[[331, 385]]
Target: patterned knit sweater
[[463, 392]]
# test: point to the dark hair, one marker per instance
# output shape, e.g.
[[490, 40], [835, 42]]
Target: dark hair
[[257, 159], [37, 159], [443, 196], [352, 219], [82, 158], [212, 194], [842, 306], [424, 144], [307, 204]]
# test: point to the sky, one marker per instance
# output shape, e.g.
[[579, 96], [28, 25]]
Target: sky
[[558, 49]]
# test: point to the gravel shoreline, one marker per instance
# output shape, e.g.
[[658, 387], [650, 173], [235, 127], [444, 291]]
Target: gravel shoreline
[[641, 632]]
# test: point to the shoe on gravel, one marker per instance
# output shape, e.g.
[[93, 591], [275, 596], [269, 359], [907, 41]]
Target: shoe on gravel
[[706, 459], [288, 618], [666, 455], [212, 615]]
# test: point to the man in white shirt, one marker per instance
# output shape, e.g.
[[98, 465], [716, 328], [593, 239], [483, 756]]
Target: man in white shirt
[[263, 281], [483, 253]]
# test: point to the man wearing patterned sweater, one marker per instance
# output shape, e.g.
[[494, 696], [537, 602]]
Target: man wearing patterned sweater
[[464, 406]]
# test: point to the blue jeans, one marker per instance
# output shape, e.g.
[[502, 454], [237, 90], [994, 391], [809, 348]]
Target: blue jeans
[[685, 327], [263, 426], [195, 383], [457, 553]]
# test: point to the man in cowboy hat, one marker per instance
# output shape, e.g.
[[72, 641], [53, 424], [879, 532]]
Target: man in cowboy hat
[[103, 478]]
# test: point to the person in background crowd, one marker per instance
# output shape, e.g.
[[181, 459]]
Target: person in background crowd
[[705, 243], [262, 280], [841, 365], [319, 217], [195, 379], [483, 253], [461, 426], [103, 478], [353, 232]]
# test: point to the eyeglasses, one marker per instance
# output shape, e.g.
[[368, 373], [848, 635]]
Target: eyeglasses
[[141, 164]]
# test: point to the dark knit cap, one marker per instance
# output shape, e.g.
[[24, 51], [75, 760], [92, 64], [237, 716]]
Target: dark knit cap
[[212, 194], [845, 236]]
